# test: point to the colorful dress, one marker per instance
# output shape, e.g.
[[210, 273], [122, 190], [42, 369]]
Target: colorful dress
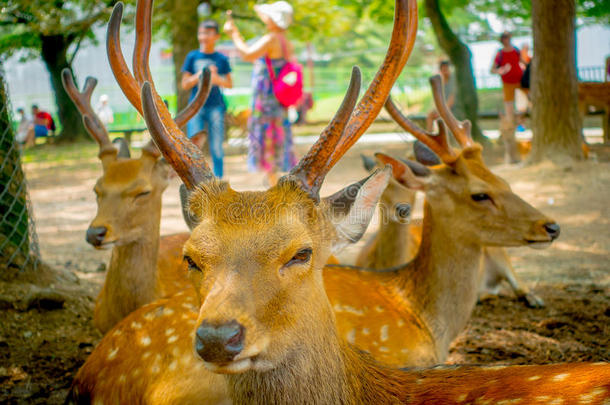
[[270, 147]]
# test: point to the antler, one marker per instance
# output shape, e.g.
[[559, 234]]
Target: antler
[[82, 100], [182, 154], [437, 142], [316, 164], [460, 130]]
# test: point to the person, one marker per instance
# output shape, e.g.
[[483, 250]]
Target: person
[[43, 125], [448, 90], [23, 126], [270, 146], [507, 64], [103, 111], [212, 114]]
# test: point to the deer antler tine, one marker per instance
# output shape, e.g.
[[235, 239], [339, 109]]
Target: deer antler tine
[[460, 130], [141, 52], [437, 142], [313, 167], [125, 79], [181, 153], [82, 100], [399, 50], [198, 101]]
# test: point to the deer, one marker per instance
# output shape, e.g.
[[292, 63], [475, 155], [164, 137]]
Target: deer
[[398, 238], [143, 266], [260, 328]]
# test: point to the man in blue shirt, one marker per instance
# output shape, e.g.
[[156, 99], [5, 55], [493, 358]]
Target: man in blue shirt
[[213, 112]]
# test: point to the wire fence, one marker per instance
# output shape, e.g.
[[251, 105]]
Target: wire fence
[[18, 240]]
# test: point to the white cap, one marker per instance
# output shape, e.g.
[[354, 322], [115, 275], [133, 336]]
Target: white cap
[[279, 12], [104, 98]]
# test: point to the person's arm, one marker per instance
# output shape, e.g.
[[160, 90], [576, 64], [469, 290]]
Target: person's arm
[[189, 80], [248, 53], [495, 64]]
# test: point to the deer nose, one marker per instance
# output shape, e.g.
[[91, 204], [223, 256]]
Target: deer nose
[[95, 235], [552, 229], [219, 343]]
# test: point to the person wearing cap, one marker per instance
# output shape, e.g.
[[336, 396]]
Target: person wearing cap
[[507, 64], [212, 114], [270, 147], [103, 110]]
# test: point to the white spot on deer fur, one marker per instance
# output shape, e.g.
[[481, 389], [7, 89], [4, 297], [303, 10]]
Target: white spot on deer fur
[[168, 311], [384, 349], [136, 372], [384, 333], [588, 398], [379, 308], [366, 331], [136, 325], [347, 308], [122, 378], [461, 398], [149, 316], [419, 381], [351, 336], [543, 398], [493, 368], [112, 353], [185, 316], [561, 377], [509, 401], [404, 351], [117, 332], [169, 331], [145, 340], [556, 401], [172, 339], [173, 365], [146, 355], [534, 378], [400, 323]]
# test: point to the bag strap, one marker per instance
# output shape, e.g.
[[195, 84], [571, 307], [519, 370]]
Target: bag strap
[[270, 68]]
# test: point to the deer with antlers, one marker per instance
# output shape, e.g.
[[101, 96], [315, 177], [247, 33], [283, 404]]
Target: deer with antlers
[[398, 238], [262, 329], [143, 267]]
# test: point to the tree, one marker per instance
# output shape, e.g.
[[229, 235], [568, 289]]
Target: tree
[[555, 119], [467, 102], [50, 29]]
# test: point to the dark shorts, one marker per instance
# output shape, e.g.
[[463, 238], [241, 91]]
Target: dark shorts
[[40, 131]]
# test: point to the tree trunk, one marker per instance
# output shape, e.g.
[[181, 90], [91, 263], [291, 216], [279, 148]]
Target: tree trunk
[[14, 219], [555, 120], [54, 54], [184, 22], [467, 102]]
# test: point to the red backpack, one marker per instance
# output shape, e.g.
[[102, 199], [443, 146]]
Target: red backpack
[[288, 84]]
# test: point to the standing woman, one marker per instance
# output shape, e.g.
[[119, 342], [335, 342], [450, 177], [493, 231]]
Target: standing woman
[[270, 147]]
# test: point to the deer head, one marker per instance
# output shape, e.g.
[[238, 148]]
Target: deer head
[[130, 190], [256, 258], [462, 184]]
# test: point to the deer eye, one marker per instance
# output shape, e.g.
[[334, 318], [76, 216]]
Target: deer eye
[[192, 266], [301, 257], [478, 197], [142, 194]]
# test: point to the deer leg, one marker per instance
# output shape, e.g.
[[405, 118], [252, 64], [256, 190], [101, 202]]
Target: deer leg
[[497, 267]]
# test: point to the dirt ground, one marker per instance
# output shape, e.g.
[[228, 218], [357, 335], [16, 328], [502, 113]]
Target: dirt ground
[[41, 349]]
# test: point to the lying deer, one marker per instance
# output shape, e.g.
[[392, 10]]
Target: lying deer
[[262, 322], [143, 266], [398, 238]]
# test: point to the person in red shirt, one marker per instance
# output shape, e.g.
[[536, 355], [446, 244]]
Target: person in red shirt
[[507, 64], [43, 124]]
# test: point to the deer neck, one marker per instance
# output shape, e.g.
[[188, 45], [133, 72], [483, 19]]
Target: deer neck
[[132, 272], [392, 239], [442, 280]]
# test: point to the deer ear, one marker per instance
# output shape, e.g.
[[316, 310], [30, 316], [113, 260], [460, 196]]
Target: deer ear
[[352, 208], [425, 155], [368, 163], [189, 218], [410, 174]]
